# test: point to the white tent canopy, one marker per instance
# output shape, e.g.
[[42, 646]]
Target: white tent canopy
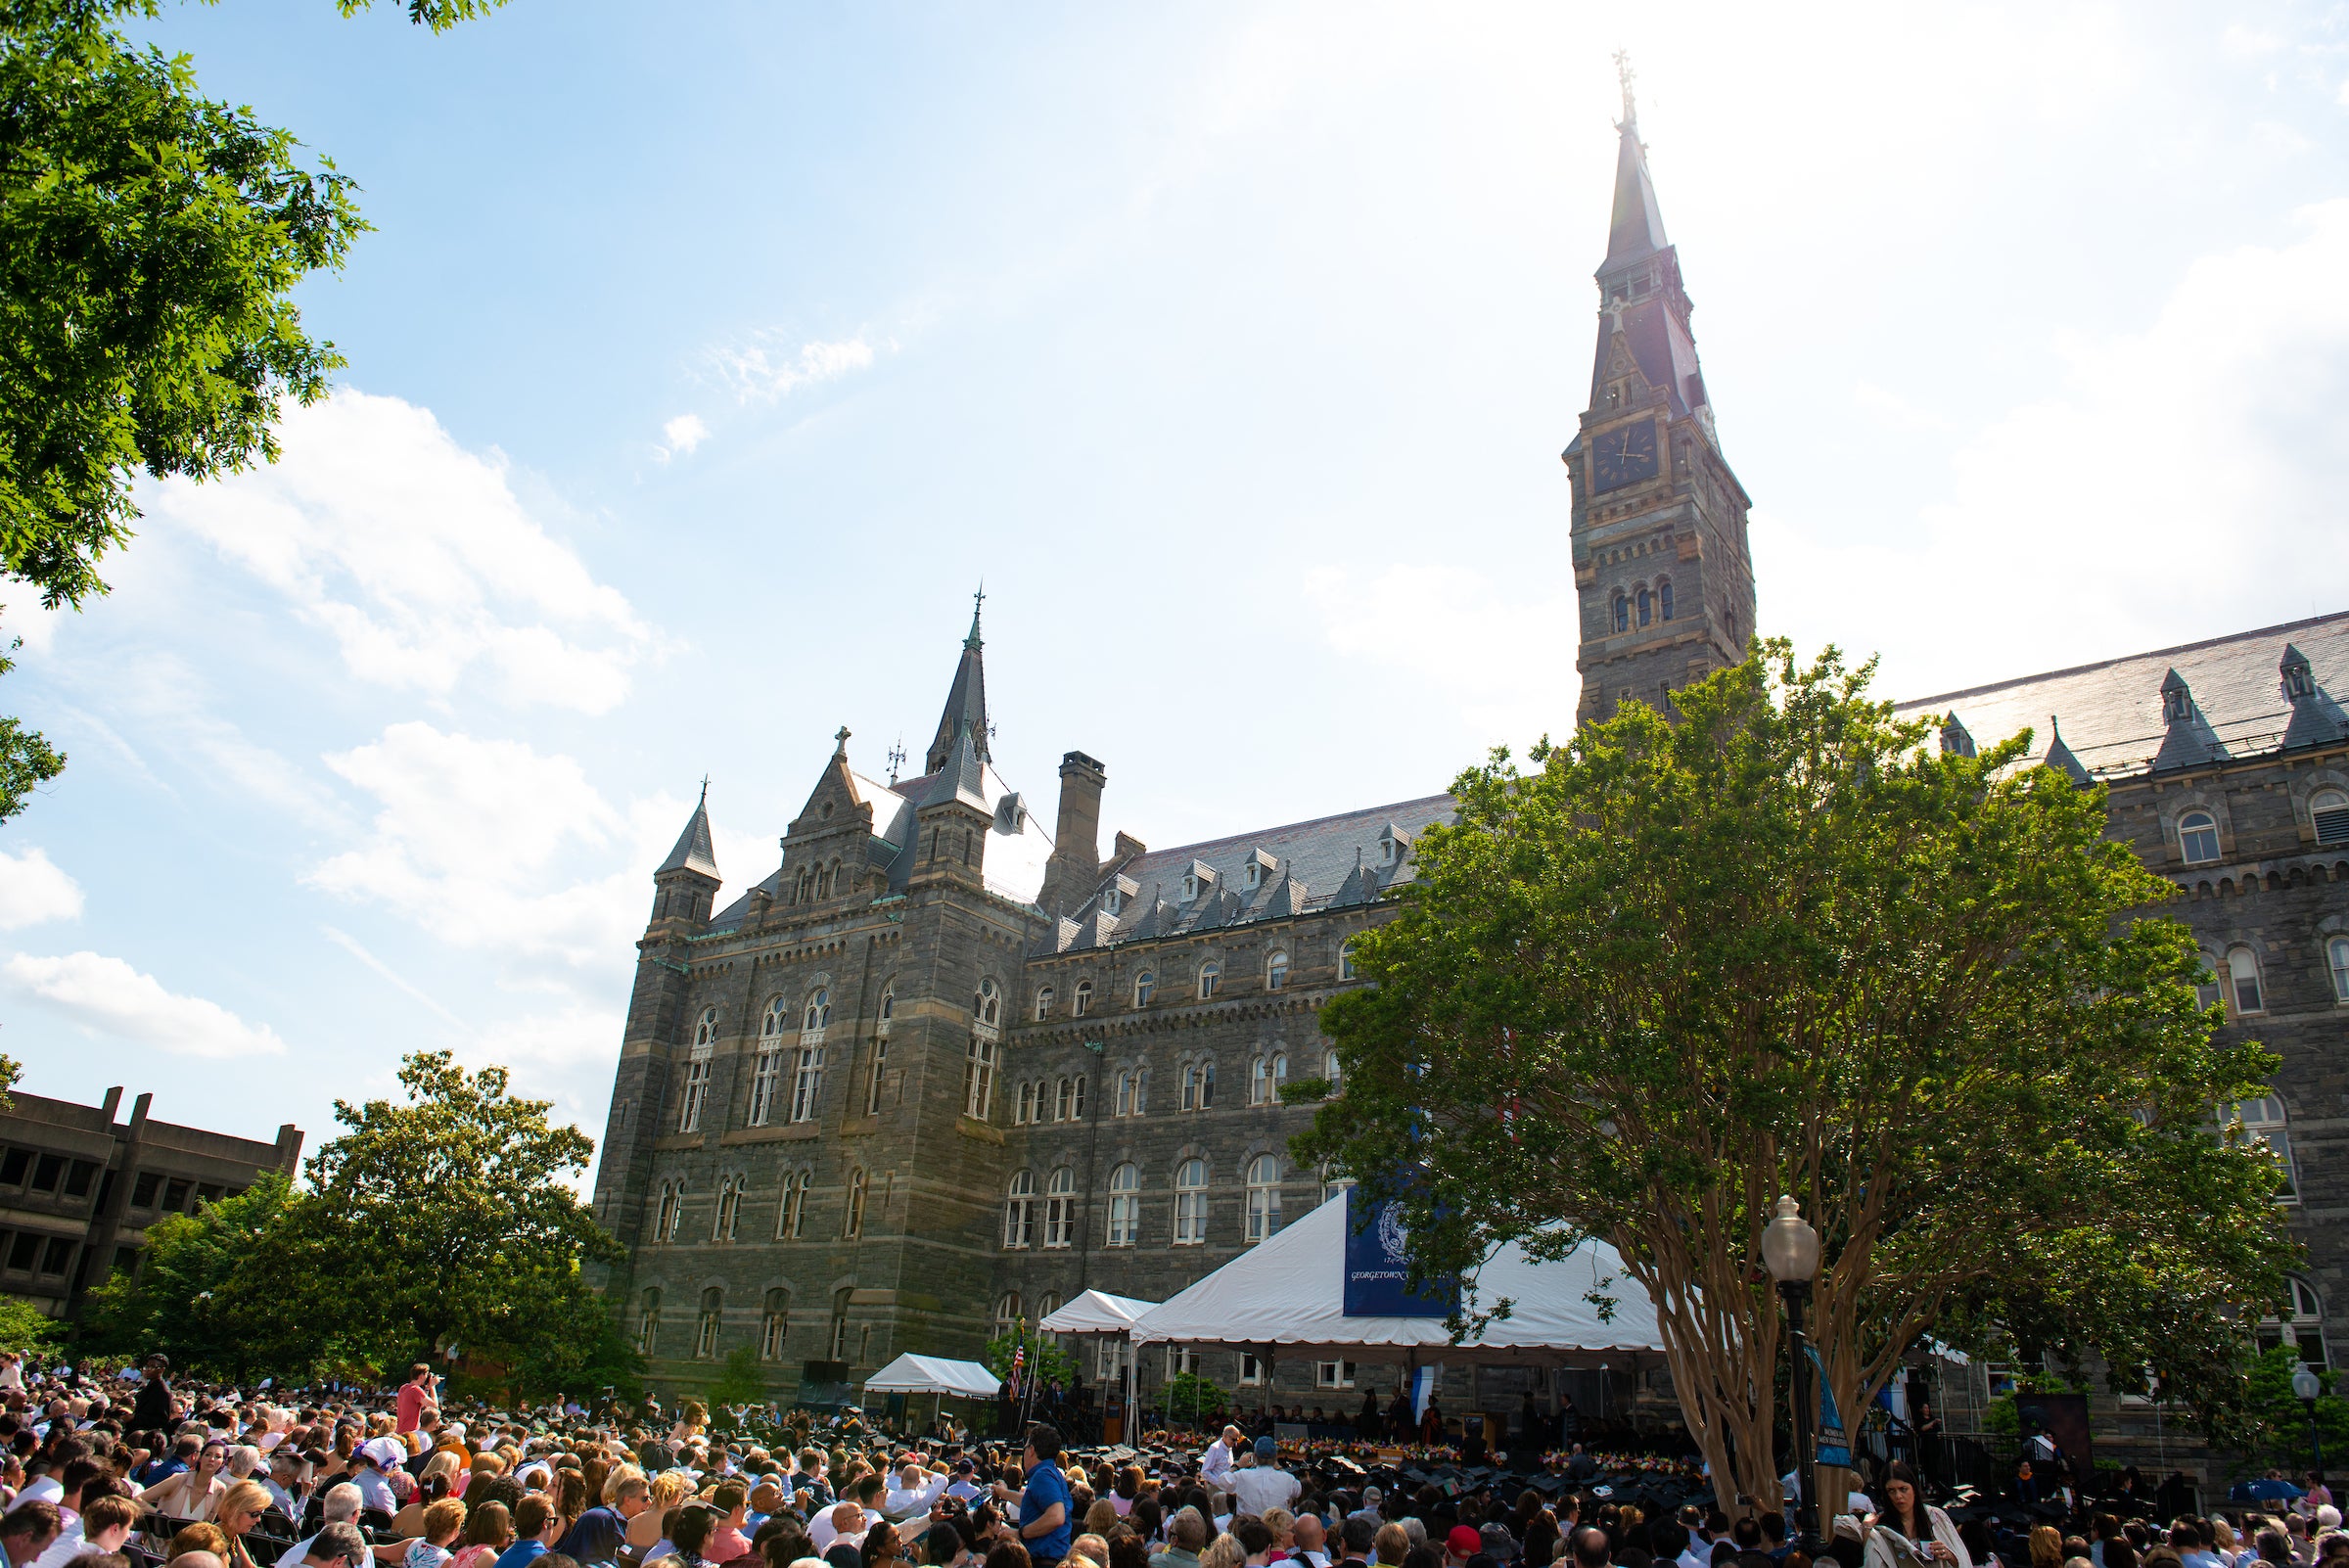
[[1290, 1290], [1096, 1312], [934, 1374]]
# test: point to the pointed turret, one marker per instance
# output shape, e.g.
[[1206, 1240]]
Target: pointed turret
[[2059, 756], [966, 699], [1637, 229], [2187, 739], [687, 881], [2316, 720]]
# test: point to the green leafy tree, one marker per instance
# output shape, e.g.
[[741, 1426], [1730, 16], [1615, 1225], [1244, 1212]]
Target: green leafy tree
[[1046, 1358], [1671, 971], [10, 1070], [27, 763], [741, 1380], [449, 1219], [23, 1327], [181, 1301], [1189, 1396]]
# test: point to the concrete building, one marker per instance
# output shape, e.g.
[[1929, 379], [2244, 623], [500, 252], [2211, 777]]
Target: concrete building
[[79, 1188]]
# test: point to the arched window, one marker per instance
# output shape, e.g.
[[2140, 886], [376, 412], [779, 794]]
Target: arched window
[[1663, 599], [872, 1094], [2264, 1121], [840, 884], [1190, 1202], [889, 1008], [2242, 972], [771, 1323], [768, 1071], [818, 1016], [1259, 1081], [978, 1077], [1060, 1209], [804, 889], [1043, 1003], [1276, 971], [1008, 1313], [2198, 836], [1264, 1196], [990, 1005], [1280, 1073], [792, 1216], [2298, 1321], [729, 1208], [808, 1078], [1190, 1086], [1332, 1183], [664, 1219], [1123, 1105], [823, 882], [1207, 1086], [697, 1072], [1064, 1099], [1346, 959], [648, 1322], [1329, 1069], [1210, 975], [852, 1220], [1084, 999], [1077, 1098], [1022, 1105], [1124, 1205], [1143, 985], [1648, 606], [2330, 810], [1019, 1211], [2207, 991], [1623, 614], [840, 1321], [2336, 958], [705, 1342]]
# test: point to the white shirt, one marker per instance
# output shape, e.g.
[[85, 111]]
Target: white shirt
[[897, 1503], [47, 1489], [1699, 1555], [374, 1490], [1266, 1487], [64, 1550], [822, 1531], [302, 1550], [1215, 1467], [963, 1490]]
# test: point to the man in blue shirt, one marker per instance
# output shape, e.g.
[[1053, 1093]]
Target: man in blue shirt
[[1043, 1500]]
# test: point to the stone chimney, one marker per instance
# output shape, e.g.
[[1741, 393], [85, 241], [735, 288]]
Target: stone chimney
[[1076, 863]]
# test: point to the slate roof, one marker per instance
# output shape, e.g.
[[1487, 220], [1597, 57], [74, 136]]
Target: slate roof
[[694, 850], [1319, 864], [2236, 703]]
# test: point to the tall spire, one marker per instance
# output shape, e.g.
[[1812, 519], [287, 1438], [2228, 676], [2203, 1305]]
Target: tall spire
[[1636, 230], [966, 699], [694, 850]]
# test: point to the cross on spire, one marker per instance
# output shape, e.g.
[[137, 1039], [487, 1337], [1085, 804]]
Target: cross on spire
[[1625, 76], [704, 789]]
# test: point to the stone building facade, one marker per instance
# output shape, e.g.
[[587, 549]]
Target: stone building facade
[[946, 1067], [79, 1188]]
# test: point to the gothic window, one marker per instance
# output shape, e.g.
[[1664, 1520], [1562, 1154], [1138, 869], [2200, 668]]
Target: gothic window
[[1143, 985], [818, 1016], [648, 1322], [1623, 614], [1264, 1196], [852, 1222], [2330, 810], [1209, 975], [2263, 1121], [1084, 999], [672, 1206], [1280, 1073], [1060, 1209], [792, 1216], [1276, 971], [2242, 972], [840, 1322], [889, 1008], [1648, 606], [729, 1209], [1008, 1321], [807, 1081], [1664, 600], [2198, 836], [978, 1079], [839, 883], [1206, 1084], [1043, 1003], [1124, 1205], [2208, 992], [1064, 1100], [768, 1071], [1019, 1211], [1190, 1202], [2298, 1321], [705, 1340], [990, 1006], [771, 1323], [1346, 959], [872, 1095], [1022, 1105], [1077, 1098], [1329, 1069], [2337, 954], [1190, 1086], [697, 1072], [803, 889], [1123, 1104], [1259, 1081]]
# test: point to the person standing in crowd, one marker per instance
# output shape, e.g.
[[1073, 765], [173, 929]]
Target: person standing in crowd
[[1907, 1532], [1217, 1465], [416, 1396], [153, 1410], [1046, 1506], [1265, 1486]]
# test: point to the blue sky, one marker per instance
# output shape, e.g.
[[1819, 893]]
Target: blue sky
[[706, 357]]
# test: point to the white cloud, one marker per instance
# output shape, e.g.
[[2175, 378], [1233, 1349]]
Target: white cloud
[[418, 558], [33, 888], [107, 996], [756, 373], [680, 435], [2186, 475], [1895, 411], [492, 845]]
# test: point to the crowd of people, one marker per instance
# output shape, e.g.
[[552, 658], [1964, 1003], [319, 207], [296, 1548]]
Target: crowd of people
[[137, 1471]]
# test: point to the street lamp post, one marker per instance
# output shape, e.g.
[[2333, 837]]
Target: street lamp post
[[1791, 1249], [2306, 1388]]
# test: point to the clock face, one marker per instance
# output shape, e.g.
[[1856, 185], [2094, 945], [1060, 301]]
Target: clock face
[[1623, 455]]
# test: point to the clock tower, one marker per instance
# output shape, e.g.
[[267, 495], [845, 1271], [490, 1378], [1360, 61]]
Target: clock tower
[[1661, 572]]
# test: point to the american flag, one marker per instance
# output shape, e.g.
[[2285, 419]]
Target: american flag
[[1019, 1362]]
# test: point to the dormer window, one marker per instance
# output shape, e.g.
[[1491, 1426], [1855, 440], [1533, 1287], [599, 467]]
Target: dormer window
[[1259, 869], [1011, 814], [1252, 875], [1190, 887], [1198, 878], [1112, 902], [1393, 845]]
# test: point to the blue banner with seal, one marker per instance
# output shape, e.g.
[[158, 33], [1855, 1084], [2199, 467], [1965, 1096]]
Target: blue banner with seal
[[1378, 1264]]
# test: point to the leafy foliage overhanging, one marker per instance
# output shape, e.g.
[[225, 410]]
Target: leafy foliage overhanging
[[1673, 970]]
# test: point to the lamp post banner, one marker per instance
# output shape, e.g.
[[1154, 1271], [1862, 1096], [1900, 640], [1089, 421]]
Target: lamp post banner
[[1378, 1264], [1829, 1444]]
